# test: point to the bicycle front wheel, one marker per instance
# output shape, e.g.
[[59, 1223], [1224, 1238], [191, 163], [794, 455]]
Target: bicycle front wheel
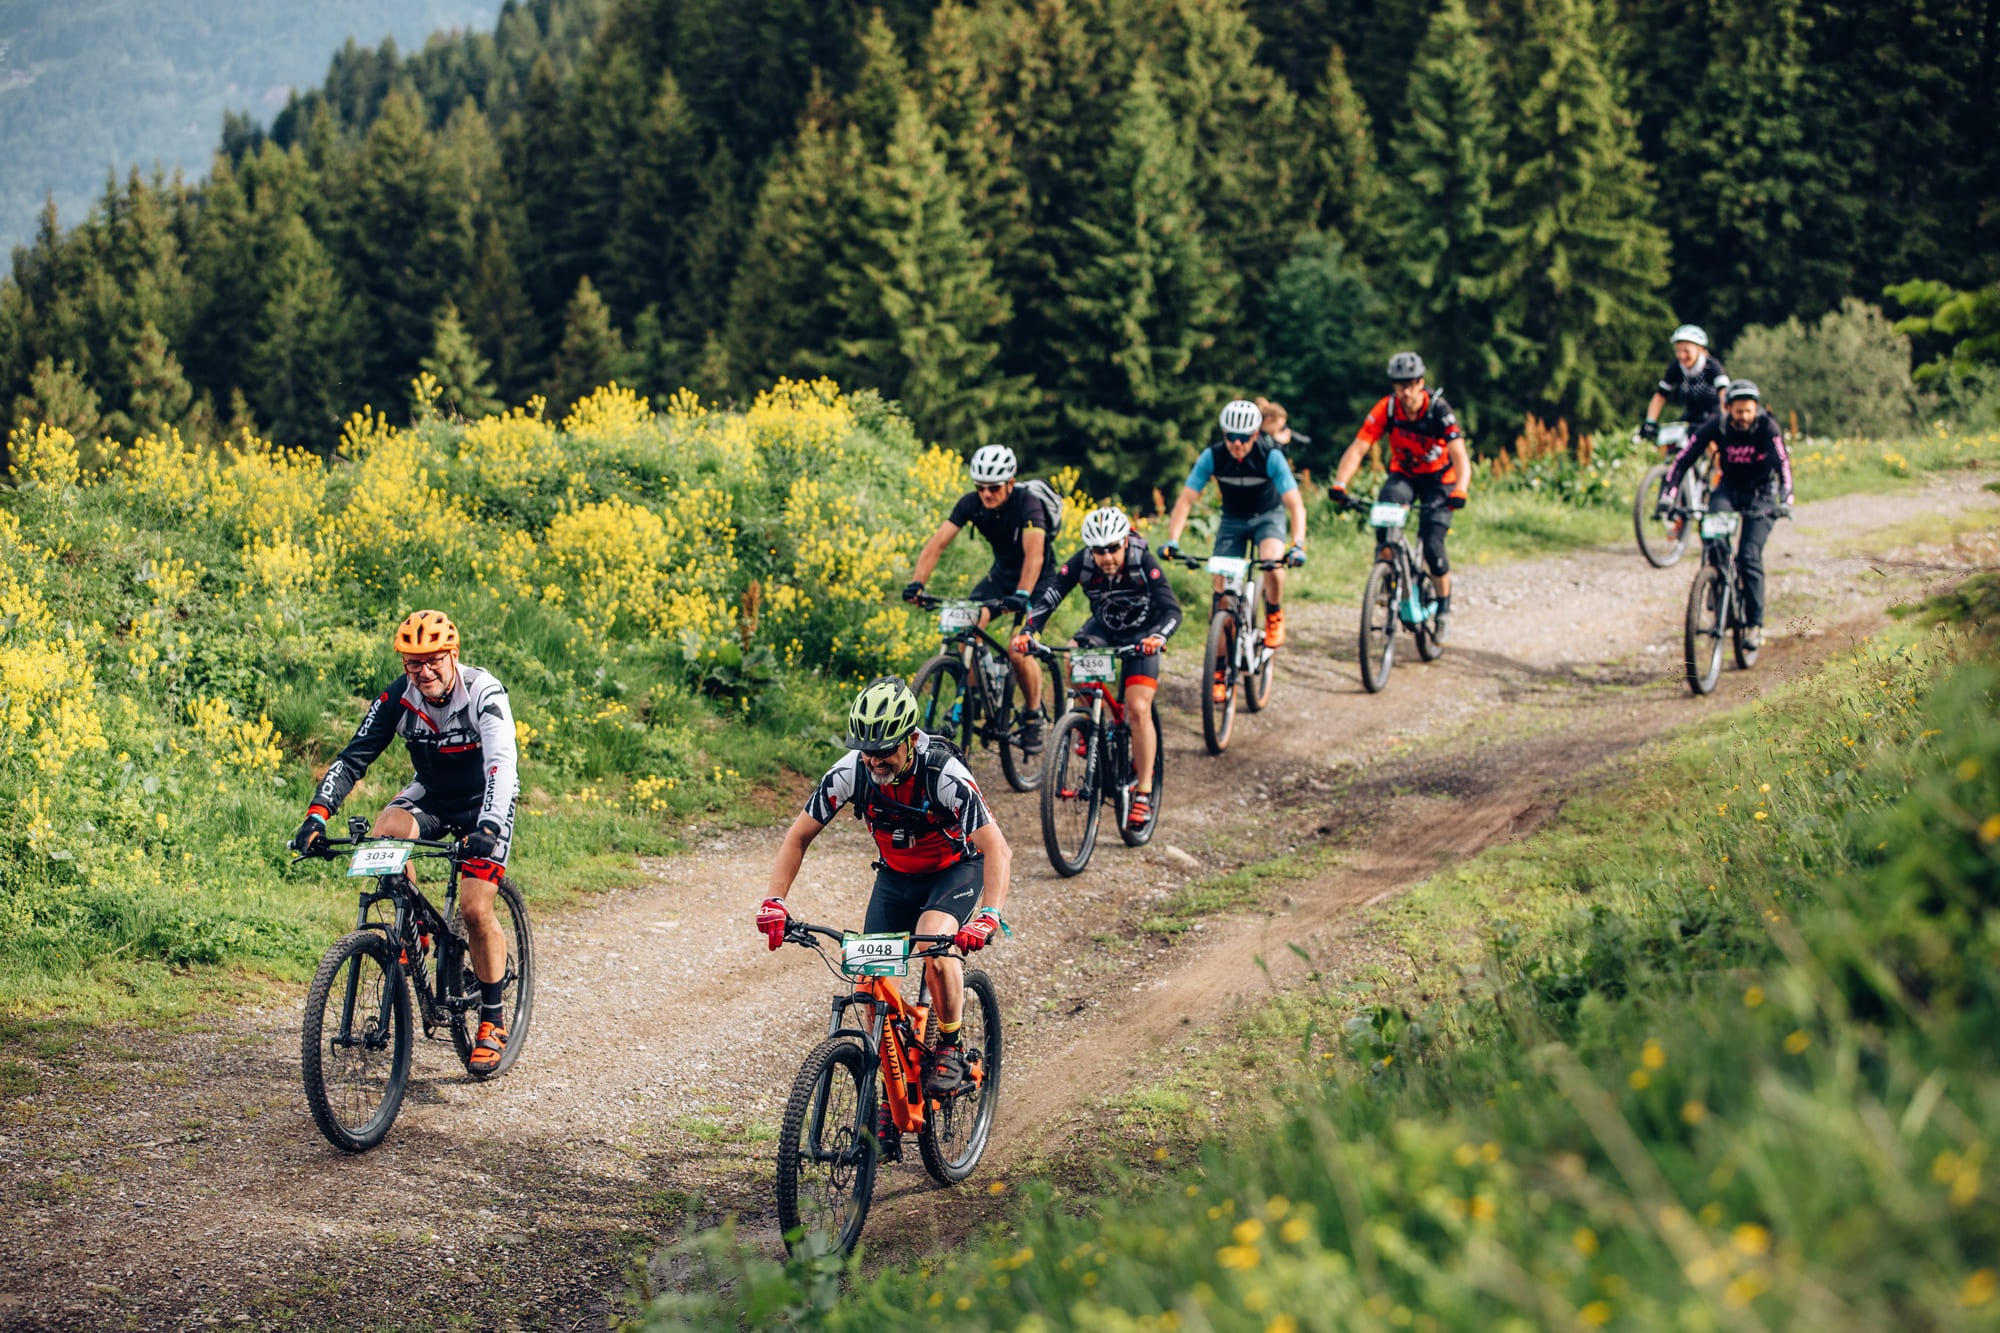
[[1139, 837], [944, 704], [355, 1049], [1256, 676], [1218, 677], [1070, 804], [826, 1150], [1378, 627], [955, 1132], [1661, 540], [517, 1002], [1707, 612]]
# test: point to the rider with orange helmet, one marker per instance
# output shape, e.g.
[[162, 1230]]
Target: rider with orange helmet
[[456, 724]]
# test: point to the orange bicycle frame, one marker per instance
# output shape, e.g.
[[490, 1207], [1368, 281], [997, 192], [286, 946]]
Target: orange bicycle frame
[[896, 1025]]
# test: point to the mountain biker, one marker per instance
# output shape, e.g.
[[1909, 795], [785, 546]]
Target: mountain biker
[[1694, 379], [1428, 465], [942, 854], [1756, 483], [1277, 425], [1130, 603], [459, 731], [1019, 527], [1259, 494]]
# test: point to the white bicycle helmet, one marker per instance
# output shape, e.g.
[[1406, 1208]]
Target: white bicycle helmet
[[994, 463], [1107, 526], [1691, 333], [1241, 417]]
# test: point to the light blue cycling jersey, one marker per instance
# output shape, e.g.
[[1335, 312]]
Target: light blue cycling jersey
[[1276, 469]]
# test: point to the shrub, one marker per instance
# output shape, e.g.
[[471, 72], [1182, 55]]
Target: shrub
[[1848, 374]]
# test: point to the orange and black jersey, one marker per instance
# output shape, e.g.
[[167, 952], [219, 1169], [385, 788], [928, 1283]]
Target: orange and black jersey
[[1419, 446]]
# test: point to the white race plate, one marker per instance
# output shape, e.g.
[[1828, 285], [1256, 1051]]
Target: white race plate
[[957, 616], [1098, 668], [1720, 525], [1229, 566], [875, 955], [384, 858], [1388, 516]]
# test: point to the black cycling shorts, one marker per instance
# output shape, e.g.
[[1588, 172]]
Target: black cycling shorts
[[1429, 493], [900, 898], [435, 819], [1136, 670], [999, 584]]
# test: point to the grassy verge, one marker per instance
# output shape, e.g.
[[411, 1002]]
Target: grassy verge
[[1719, 1056]]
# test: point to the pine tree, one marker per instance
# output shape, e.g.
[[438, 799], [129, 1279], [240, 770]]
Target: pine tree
[[498, 315], [592, 354], [305, 349], [919, 297], [459, 369], [1343, 183], [58, 396], [1325, 337], [1447, 245], [642, 263], [1583, 262], [159, 397], [875, 106], [1145, 301]]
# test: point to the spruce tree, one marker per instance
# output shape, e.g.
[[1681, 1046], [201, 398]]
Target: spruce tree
[[592, 353], [875, 106], [306, 344], [1144, 301], [1446, 244], [158, 397], [641, 260], [459, 369], [1343, 183], [58, 396], [1583, 262], [498, 315]]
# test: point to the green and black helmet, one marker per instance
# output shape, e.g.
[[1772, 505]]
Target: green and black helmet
[[883, 716]]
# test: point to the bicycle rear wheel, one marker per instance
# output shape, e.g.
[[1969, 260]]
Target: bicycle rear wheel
[[1022, 770], [1707, 612], [944, 705], [354, 1051], [1139, 837], [826, 1150], [1428, 647], [1739, 636], [1378, 627], [955, 1131], [1661, 540], [517, 1002], [1070, 804], [1257, 679], [1218, 675]]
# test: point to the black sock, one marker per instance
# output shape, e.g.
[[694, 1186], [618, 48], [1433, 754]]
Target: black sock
[[1271, 608], [950, 1036], [1444, 605], [490, 995]]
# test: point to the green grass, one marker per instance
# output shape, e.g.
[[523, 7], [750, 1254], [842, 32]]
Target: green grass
[[1690, 1068]]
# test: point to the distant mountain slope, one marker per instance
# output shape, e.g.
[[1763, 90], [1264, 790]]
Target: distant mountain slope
[[90, 85]]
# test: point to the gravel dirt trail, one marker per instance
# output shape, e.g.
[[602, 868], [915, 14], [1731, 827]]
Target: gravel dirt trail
[[176, 1181]]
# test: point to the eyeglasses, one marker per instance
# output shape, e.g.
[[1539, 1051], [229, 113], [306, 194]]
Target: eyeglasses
[[426, 666], [990, 488], [888, 761], [1118, 549], [1239, 436]]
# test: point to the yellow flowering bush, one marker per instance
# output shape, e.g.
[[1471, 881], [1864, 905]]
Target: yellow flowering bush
[[46, 456], [246, 747], [610, 414], [640, 571], [512, 451]]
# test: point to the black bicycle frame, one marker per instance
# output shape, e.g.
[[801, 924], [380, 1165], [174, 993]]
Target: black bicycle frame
[[973, 636], [414, 917]]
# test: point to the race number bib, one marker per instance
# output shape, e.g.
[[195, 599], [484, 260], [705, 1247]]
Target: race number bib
[[875, 955], [1388, 516], [381, 859], [1093, 669], [1720, 525], [957, 616], [1229, 566]]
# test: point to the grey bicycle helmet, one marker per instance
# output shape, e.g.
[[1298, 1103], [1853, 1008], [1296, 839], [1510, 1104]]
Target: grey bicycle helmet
[[1406, 366], [1743, 389], [882, 716]]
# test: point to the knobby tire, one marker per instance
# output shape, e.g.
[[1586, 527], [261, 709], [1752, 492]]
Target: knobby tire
[[830, 1197], [1428, 647], [1661, 541], [1071, 817], [1218, 658], [1139, 837], [1378, 627], [355, 1092], [940, 682], [1707, 608], [1257, 683], [1022, 770], [955, 1133]]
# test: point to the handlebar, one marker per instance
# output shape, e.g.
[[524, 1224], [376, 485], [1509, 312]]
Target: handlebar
[[334, 847], [801, 932], [924, 601], [1201, 562]]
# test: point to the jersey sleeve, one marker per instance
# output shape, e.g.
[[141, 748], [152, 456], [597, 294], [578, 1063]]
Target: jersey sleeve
[[834, 790], [1164, 615], [1374, 423], [1670, 380], [958, 793], [962, 512], [497, 747], [377, 729], [1697, 441], [1280, 471], [1067, 573], [1784, 459], [1203, 469]]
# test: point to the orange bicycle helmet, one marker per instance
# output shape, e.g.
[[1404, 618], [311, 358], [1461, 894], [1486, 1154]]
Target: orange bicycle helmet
[[427, 632]]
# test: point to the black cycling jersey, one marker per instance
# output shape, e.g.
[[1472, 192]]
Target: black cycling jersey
[[1698, 391], [1003, 525], [1751, 458], [1132, 603]]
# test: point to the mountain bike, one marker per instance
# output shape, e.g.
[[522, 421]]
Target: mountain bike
[[987, 711], [862, 1088], [1399, 589], [1715, 604], [356, 1051], [1235, 650], [1089, 763], [1664, 536]]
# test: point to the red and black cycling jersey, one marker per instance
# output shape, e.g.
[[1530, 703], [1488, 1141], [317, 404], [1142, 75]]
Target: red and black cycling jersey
[[1750, 458], [1419, 445], [1132, 602], [921, 824], [1698, 391]]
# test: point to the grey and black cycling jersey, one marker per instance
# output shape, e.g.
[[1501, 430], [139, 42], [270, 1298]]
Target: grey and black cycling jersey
[[462, 748]]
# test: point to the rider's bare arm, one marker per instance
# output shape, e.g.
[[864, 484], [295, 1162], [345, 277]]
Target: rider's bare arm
[[1350, 462], [792, 853], [999, 865], [1656, 406], [1183, 506], [1295, 508], [1461, 463], [1034, 553], [927, 559]]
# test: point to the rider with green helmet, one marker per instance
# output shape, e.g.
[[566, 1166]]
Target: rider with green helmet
[[944, 865]]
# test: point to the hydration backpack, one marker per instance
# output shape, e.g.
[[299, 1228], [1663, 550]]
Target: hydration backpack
[[1052, 502]]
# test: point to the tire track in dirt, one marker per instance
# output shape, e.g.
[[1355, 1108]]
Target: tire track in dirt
[[666, 1035]]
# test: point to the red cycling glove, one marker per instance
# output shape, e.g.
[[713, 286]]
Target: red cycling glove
[[1152, 644], [978, 930], [772, 919]]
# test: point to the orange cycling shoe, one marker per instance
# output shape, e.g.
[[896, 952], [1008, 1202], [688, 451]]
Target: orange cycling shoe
[[1142, 810], [1274, 629], [487, 1048]]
